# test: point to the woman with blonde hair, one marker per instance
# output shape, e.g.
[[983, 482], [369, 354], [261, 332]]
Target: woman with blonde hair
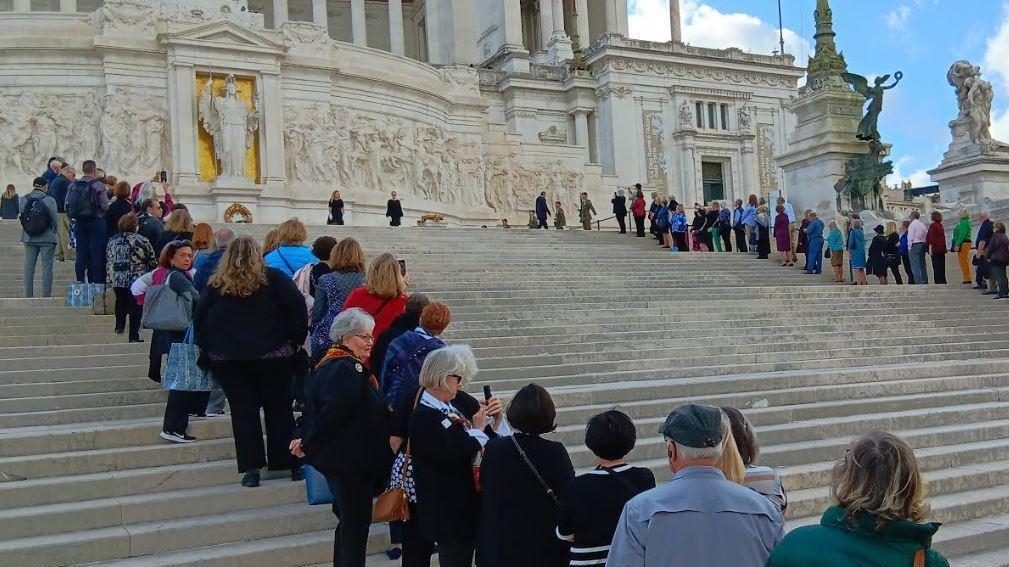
[[291, 254], [962, 245], [270, 242], [250, 322], [179, 226], [730, 462], [347, 262], [383, 295], [878, 516]]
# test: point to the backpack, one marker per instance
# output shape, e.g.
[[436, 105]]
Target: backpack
[[35, 218], [303, 281], [80, 203]]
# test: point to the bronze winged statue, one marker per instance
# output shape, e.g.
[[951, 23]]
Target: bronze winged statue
[[867, 128]]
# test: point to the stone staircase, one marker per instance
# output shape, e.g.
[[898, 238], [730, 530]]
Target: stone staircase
[[599, 319]]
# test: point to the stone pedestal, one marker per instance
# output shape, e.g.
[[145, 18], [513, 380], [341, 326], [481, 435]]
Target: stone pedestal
[[972, 173], [823, 140]]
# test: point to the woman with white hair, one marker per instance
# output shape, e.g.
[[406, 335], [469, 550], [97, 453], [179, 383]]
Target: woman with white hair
[[346, 432], [448, 430], [962, 245]]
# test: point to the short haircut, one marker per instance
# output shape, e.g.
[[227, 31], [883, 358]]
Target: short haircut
[[435, 318], [170, 250], [856, 223], [416, 304], [347, 257], [532, 411], [915, 215], [223, 237], [148, 203], [964, 214], [936, 216], [457, 360], [128, 223], [999, 227], [348, 322], [89, 167], [121, 190], [54, 160], [742, 433], [291, 232], [779, 209], [323, 247], [610, 435], [68, 170]]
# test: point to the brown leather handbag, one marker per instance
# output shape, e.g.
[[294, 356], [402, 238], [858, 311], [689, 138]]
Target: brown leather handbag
[[393, 505]]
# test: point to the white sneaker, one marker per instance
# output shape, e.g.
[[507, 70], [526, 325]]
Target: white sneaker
[[176, 437]]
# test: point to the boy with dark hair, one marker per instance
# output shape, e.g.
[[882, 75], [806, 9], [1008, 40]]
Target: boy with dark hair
[[590, 505]]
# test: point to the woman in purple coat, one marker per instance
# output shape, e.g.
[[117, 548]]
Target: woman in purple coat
[[781, 237]]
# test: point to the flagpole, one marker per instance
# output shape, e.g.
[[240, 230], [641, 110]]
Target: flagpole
[[781, 33]]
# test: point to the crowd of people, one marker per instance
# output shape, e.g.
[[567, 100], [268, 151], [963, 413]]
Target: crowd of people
[[350, 375]]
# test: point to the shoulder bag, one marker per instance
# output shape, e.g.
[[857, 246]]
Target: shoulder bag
[[166, 310], [919, 558], [536, 473], [393, 505]]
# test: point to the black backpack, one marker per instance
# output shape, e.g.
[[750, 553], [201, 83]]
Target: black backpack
[[35, 217], [80, 203]]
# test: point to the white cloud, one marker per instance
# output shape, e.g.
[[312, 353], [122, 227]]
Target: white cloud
[[996, 67], [918, 177], [705, 26], [897, 18]]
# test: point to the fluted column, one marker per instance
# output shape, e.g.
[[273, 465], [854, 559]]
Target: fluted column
[[320, 16], [358, 24], [546, 23], [396, 43], [675, 28], [279, 13], [68, 5], [558, 9]]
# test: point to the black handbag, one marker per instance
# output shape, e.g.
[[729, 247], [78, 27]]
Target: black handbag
[[826, 254]]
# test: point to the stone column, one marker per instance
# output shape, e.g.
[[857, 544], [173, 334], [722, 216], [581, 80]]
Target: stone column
[[581, 128], [320, 16], [546, 23], [272, 158], [676, 31], [182, 95], [22, 5], [558, 9], [279, 13], [396, 42], [358, 24], [560, 43], [584, 35], [68, 5]]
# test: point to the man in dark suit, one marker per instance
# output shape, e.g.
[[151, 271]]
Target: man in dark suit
[[542, 211], [394, 210]]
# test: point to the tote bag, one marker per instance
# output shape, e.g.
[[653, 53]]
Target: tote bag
[[166, 310], [316, 487], [83, 294], [182, 372]]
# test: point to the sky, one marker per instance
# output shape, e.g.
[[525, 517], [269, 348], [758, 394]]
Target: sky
[[921, 38]]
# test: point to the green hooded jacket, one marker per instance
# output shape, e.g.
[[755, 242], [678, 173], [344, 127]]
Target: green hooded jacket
[[838, 543]]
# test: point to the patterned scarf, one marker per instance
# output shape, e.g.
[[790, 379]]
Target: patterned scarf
[[338, 351]]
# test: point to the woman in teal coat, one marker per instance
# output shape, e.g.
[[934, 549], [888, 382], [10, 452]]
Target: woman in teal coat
[[835, 244], [877, 521], [856, 251]]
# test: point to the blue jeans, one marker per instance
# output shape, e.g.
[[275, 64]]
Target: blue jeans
[[917, 256], [33, 252], [90, 262], [814, 256]]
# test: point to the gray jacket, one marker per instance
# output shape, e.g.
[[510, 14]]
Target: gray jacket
[[49, 236]]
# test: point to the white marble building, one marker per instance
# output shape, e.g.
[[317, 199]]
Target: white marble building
[[466, 107]]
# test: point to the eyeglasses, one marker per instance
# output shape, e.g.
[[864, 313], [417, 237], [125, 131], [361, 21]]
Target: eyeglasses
[[456, 376], [366, 338]]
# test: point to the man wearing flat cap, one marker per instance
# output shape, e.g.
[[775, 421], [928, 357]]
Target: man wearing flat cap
[[699, 518]]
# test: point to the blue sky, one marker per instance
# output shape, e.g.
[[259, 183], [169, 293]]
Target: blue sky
[[922, 38]]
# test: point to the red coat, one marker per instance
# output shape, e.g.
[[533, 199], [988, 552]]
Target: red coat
[[638, 207], [384, 311], [936, 238]]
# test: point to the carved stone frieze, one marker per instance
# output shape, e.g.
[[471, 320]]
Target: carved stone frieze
[[116, 16], [553, 135], [701, 72], [618, 91], [305, 34]]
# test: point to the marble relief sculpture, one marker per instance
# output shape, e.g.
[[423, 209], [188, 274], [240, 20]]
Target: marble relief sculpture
[[232, 125]]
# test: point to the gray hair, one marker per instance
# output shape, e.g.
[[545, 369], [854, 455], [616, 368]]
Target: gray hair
[[55, 161], [832, 224], [694, 453], [856, 223], [68, 170], [224, 237], [457, 360], [351, 321], [915, 215], [963, 213], [985, 213], [811, 213]]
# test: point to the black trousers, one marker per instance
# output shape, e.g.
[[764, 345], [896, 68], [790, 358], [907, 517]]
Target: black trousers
[[352, 505], [906, 261], [338, 222], [740, 239], [726, 238], [998, 272], [639, 226], [180, 405], [622, 221], [896, 274], [249, 386], [542, 223], [126, 305], [395, 221], [939, 268], [983, 271], [680, 241]]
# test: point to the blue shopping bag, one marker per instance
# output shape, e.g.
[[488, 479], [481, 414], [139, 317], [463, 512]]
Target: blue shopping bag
[[182, 372], [316, 487], [83, 294]]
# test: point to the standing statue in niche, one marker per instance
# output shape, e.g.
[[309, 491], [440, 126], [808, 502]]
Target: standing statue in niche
[[867, 128], [228, 120]]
